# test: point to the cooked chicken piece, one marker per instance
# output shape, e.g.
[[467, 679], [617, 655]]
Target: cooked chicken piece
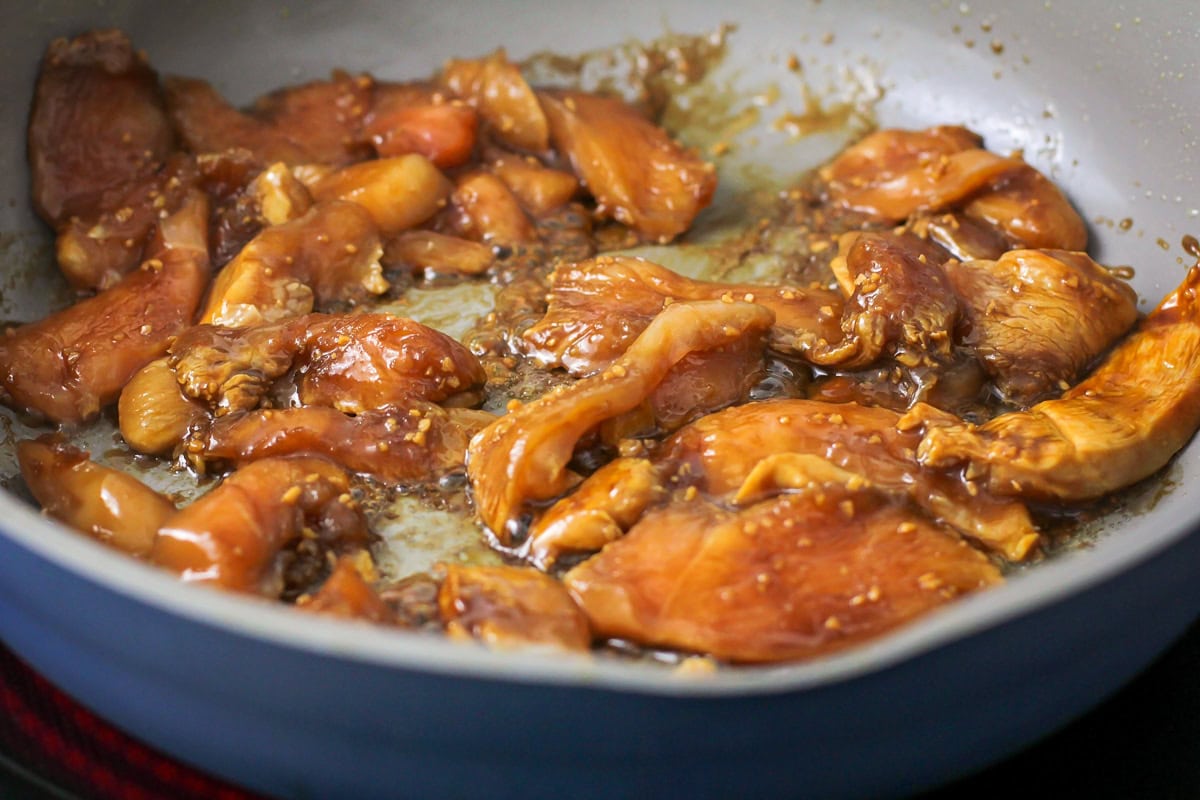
[[539, 188], [329, 255], [154, 414], [899, 302], [353, 363], [417, 445], [637, 173], [598, 307], [506, 607], [893, 174], [522, 457], [794, 577], [436, 254], [97, 125], [347, 593], [961, 236], [720, 452], [324, 117], [1119, 425], [1038, 318], [69, 365], [496, 89], [234, 536], [599, 511], [316, 122], [399, 193], [96, 249], [443, 132], [487, 211], [116, 508]]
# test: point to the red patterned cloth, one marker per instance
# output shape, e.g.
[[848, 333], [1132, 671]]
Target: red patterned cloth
[[53, 737]]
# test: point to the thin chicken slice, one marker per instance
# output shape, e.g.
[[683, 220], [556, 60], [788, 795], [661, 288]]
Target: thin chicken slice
[[637, 173], [598, 307], [1119, 425], [330, 255], [522, 457], [794, 577], [69, 365], [1038, 318], [510, 607]]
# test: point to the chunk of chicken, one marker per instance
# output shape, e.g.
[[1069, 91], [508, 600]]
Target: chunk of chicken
[[417, 445], [440, 130], [329, 255], [97, 125], [354, 363], [720, 452], [248, 196], [794, 577], [399, 193], [539, 188], [233, 536], [348, 594], [522, 457], [899, 302], [506, 607], [1039, 317], [637, 173], [498, 91], [96, 249], [108, 504], [71, 364], [153, 413], [1119, 425], [437, 254], [598, 307], [487, 211]]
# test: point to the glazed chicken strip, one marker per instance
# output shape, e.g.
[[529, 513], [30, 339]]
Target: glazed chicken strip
[[638, 175], [522, 457], [1038, 318], [506, 607], [71, 364], [329, 255], [794, 577], [1119, 425], [108, 504], [399, 193], [407, 446], [598, 307], [718, 454], [97, 125], [348, 594], [893, 174], [422, 122], [899, 302], [233, 535], [497, 90], [316, 122], [354, 363]]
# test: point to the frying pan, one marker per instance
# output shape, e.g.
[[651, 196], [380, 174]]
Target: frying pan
[[1102, 97]]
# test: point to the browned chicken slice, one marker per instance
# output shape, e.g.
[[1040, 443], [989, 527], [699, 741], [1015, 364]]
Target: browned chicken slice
[[248, 196], [316, 122], [507, 607], [498, 91], [436, 254], [893, 174], [416, 445], [96, 126], [638, 175], [236, 535], [794, 577], [354, 363], [399, 193], [522, 457], [1038, 318], [1119, 425], [487, 211], [153, 413], [96, 249], [69, 365], [720, 452], [598, 307], [899, 302], [417, 119], [539, 188], [108, 504], [328, 255], [348, 594], [961, 236]]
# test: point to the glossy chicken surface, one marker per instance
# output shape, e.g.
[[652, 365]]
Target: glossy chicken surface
[[405, 352]]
